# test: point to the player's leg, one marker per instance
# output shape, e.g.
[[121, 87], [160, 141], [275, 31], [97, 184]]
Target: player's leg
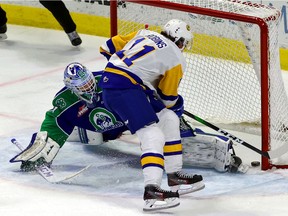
[[177, 179], [3, 26], [62, 15], [137, 113]]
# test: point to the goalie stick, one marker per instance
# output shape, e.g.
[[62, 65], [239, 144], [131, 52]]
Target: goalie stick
[[269, 154], [46, 172]]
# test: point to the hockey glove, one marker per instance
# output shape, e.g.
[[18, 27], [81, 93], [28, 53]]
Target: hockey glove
[[178, 107], [41, 146]]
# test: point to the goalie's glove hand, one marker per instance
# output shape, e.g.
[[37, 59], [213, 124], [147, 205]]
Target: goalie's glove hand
[[41, 146], [30, 166]]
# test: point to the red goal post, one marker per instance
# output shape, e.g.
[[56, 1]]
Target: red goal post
[[240, 38]]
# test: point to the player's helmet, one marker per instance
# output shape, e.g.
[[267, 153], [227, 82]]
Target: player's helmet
[[179, 32], [80, 81]]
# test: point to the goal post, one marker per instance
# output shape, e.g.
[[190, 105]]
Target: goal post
[[233, 74]]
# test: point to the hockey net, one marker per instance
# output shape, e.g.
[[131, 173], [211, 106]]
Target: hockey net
[[233, 74]]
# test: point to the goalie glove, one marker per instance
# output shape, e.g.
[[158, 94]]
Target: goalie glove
[[41, 146]]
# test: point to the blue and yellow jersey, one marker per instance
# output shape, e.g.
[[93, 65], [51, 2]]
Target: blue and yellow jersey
[[144, 59]]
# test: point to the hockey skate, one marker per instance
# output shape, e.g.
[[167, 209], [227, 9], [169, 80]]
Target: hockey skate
[[3, 30], [156, 198], [74, 38], [185, 183]]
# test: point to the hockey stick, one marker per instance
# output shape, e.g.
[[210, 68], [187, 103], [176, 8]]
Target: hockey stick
[[46, 172], [269, 154]]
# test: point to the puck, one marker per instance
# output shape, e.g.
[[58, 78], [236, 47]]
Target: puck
[[255, 163]]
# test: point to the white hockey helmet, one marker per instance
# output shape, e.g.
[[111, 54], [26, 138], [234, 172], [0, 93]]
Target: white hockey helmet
[[180, 33], [80, 81]]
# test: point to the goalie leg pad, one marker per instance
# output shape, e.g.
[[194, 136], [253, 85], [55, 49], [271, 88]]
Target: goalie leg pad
[[222, 157], [41, 146], [207, 151]]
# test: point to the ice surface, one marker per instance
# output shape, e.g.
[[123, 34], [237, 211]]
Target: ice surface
[[32, 63]]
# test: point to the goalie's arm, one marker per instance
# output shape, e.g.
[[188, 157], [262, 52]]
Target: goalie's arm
[[58, 128], [56, 121], [54, 131], [45, 143]]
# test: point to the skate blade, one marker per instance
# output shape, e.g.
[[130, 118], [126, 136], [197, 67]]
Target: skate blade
[[154, 205], [185, 189]]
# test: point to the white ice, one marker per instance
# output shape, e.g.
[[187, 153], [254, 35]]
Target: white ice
[[32, 63]]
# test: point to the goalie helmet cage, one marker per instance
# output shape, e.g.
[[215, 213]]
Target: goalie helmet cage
[[233, 74]]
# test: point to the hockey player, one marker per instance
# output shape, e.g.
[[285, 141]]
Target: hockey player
[[71, 109], [3, 26], [80, 104], [61, 14], [146, 66]]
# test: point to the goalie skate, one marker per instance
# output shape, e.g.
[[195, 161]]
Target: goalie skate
[[185, 183], [156, 198]]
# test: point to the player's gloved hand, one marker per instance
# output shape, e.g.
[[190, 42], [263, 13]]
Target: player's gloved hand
[[178, 108]]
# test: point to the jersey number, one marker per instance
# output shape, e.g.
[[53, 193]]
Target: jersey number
[[129, 60]]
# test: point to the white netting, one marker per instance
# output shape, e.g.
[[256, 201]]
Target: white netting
[[222, 81]]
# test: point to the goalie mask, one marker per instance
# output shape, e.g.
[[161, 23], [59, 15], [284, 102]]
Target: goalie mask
[[179, 32], [80, 81]]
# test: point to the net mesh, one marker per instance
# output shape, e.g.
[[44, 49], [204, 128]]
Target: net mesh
[[222, 80]]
